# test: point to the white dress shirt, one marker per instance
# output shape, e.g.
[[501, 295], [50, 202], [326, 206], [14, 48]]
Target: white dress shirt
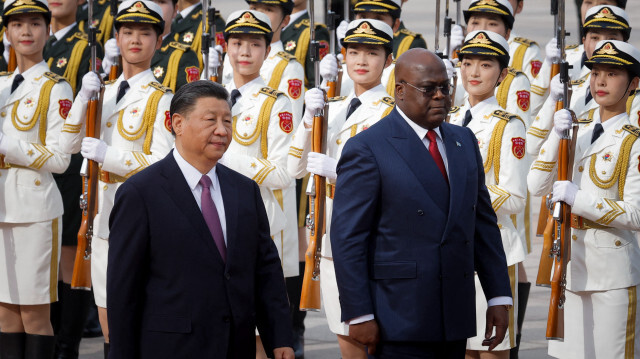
[[193, 176]]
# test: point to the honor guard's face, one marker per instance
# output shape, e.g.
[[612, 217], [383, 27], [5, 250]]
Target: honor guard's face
[[365, 63], [594, 36], [205, 132], [488, 22], [588, 4], [63, 8], [27, 33], [610, 85], [274, 12], [168, 12], [137, 42], [517, 6], [247, 53], [480, 75]]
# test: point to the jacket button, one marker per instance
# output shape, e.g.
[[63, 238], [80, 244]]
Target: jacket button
[[574, 237], [618, 243], [227, 275], [37, 182], [420, 212]]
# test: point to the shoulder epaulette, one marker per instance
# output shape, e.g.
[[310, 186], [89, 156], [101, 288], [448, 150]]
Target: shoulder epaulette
[[286, 56], [336, 99], [632, 130], [526, 42], [410, 33], [515, 72], [6, 73], [389, 101], [55, 77], [585, 120], [577, 82], [270, 92], [571, 47], [179, 46], [110, 82], [79, 35], [504, 115], [196, 15], [454, 110], [305, 23], [159, 87]]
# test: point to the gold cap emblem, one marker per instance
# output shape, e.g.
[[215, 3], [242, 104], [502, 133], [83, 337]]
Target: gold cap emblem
[[247, 18], [605, 13], [364, 28], [23, 2], [481, 38], [487, 2], [607, 49], [138, 7]]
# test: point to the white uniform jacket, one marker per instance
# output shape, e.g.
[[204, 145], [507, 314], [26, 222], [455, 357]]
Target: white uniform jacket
[[525, 56]]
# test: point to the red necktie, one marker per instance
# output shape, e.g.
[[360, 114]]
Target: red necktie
[[435, 153]]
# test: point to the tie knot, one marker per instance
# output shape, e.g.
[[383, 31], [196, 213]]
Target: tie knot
[[17, 80], [205, 182], [431, 135], [124, 85], [235, 94], [355, 102]]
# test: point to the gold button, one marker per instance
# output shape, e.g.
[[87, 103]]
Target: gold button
[[109, 124], [37, 182], [338, 141], [574, 237], [580, 169], [604, 172], [131, 127], [618, 243], [105, 187], [499, 226], [3, 113]]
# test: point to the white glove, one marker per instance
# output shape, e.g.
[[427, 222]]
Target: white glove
[[451, 67], [329, 67], [111, 53], [322, 165], [214, 58], [552, 52], [94, 149], [7, 45], [457, 38], [90, 86], [562, 121], [341, 31], [556, 89], [564, 191], [313, 101]]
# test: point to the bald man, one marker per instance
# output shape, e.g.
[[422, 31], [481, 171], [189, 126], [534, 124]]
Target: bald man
[[413, 223]]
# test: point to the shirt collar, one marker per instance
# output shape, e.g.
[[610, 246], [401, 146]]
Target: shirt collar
[[275, 48], [479, 109], [135, 78], [371, 95], [62, 32], [419, 130], [294, 17], [190, 173], [186, 11], [258, 81], [610, 123], [32, 71]]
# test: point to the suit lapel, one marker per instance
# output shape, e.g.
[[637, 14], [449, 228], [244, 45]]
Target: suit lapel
[[230, 198], [457, 167], [416, 155], [176, 186]]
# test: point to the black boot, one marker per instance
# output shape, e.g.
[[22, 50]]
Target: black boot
[[523, 299], [294, 287], [75, 307], [92, 327], [12, 345], [106, 350], [39, 346]]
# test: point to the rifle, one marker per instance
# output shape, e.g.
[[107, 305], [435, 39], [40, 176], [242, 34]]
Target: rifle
[[12, 61], [546, 258], [310, 296], [89, 199], [561, 249], [447, 34], [114, 72], [436, 42], [458, 21], [333, 83], [211, 19]]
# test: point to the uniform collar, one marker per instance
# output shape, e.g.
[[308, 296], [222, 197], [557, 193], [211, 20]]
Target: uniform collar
[[33, 71], [133, 81], [258, 81], [60, 34], [275, 48], [612, 122], [480, 109], [371, 95], [187, 11], [295, 17]]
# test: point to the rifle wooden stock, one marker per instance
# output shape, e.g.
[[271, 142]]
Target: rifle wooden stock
[[546, 258], [213, 78], [12, 61], [555, 69], [310, 296], [81, 278], [114, 71]]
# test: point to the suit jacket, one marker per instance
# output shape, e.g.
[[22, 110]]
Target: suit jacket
[[405, 246], [169, 292]]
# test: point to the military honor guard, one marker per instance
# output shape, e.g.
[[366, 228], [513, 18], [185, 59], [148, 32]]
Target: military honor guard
[[135, 129], [484, 59], [601, 307], [601, 23], [35, 103], [368, 46], [404, 39], [295, 38], [574, 55], [102, 18], [262, 126], [526, 55], [280, 70]]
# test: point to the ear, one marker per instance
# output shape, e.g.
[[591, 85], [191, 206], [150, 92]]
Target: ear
[[285, 21], [399, 93], [508, 34], [396, 26], [266, 54], [177, 123], [519, 7], [633, 85], [159, 42], [389, 61], [503, 74]]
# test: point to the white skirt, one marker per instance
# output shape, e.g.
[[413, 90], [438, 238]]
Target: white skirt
[[30, 255], [331, 298], [99, 259], [509, 341], [600, 325]]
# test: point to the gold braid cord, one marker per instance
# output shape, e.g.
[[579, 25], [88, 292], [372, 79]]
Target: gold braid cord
[[148, 120], [503, 89], [40, 113], [518, 57], [493, 154], [302, 49], [276, 75], [405, 44], [71, 72], [619, 172], [106, 24], [391, 85], [261, 128], [171, 76]]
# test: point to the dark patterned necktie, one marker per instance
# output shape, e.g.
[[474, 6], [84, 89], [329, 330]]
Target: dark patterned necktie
[[597, 132], [353, 105], [122, 89], [467, 118], [16, 82], [210, 214]]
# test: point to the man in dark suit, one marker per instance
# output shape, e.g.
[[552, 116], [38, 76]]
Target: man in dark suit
[[412, 221], [192, 268]]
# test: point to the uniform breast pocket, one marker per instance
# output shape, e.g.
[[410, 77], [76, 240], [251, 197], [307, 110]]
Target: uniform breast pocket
[[605, 239], [29, 179]]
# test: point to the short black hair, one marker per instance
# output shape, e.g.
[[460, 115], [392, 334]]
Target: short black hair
[[184, 101]]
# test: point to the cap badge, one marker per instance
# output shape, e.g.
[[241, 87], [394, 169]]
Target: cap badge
[[607, 49], [481, 38], [247, 17], [364, 28], [606, 14], [138, 7], [23, 2], [487, 2]]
